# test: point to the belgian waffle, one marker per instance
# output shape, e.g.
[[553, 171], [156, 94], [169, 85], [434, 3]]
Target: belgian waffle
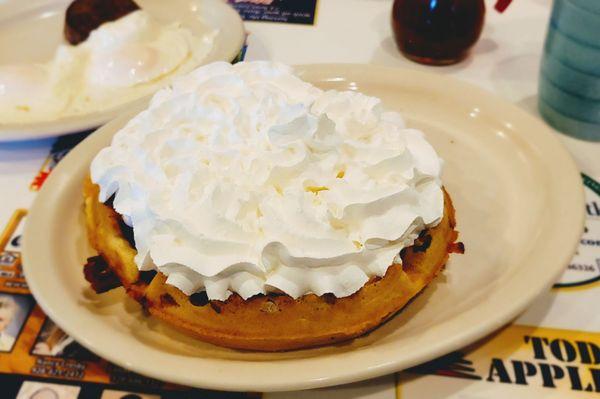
[[270, 322]]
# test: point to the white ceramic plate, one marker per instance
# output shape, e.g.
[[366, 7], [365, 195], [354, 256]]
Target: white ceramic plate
[[519, 202], [31, 33]]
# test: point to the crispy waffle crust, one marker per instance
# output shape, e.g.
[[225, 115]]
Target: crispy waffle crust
[[271, 322]]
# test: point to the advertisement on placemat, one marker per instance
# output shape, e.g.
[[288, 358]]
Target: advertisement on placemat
[[285, 11], [584, 269], [517, 361]]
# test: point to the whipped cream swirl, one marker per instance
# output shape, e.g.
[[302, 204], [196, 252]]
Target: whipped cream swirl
[[244, 178]]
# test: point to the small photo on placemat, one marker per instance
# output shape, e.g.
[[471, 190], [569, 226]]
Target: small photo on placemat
[[45, 390], [13, 313]]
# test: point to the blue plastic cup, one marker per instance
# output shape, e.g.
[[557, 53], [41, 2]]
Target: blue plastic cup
[[569, 92]]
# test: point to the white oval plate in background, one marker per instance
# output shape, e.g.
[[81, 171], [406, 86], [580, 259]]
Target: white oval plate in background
[[519, 208], [31, 33]]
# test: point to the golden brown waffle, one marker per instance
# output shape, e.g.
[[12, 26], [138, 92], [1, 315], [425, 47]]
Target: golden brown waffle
[[272, 322]]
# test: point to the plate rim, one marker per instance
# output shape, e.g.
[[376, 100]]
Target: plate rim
[[19, 132], [389, 365]]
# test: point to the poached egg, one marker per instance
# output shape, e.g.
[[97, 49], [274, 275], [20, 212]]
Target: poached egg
[[121, 61]]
